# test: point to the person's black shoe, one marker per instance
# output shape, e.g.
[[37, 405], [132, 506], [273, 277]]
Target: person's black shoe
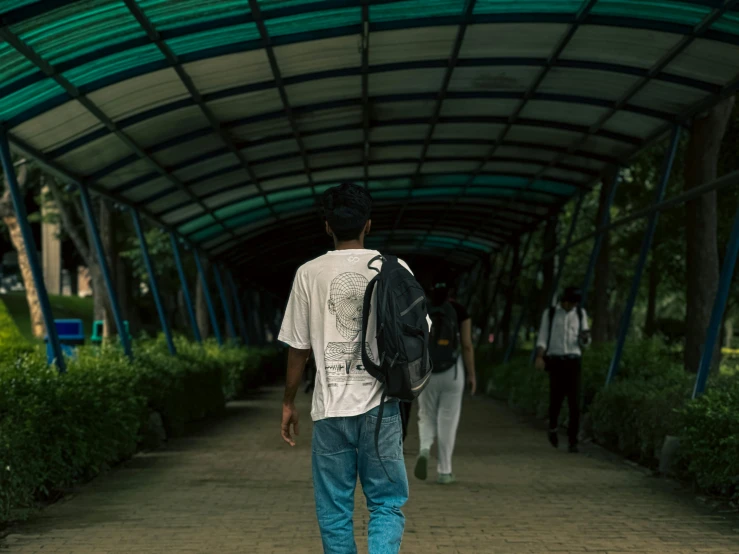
[[574, 449], [553, 438]]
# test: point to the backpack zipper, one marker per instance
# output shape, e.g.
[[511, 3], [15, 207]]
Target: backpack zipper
[[428, 375]]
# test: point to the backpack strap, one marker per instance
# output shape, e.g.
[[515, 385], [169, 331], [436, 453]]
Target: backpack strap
[[579, 320], [365, 355], [373, 260], [552, 311], [380, 413], [366, 360]]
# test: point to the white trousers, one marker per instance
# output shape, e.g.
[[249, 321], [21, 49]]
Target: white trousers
[[439, 408]]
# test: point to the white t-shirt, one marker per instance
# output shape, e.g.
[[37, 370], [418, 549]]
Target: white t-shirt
[[325, 313]]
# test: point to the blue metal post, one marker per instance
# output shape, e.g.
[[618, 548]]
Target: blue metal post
[[645, 247], [185, 288], [153, 281], [224, 300], [719, 305], [103, 261], [208, 299], [604, 220], [239, 309], [11, 181]]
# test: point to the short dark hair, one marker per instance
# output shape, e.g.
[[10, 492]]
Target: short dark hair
[[347, 209], [572, 294]]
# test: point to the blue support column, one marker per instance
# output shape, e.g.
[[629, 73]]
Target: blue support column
[[153, 281], [645, 247], [19, 205], [719, 305], [103, 261], [185, 288], [208, 299], [239, 309], [604, 220], [224, 300]]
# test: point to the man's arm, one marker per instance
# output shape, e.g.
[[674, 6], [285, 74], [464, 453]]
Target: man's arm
[[296, 360], [468, 354]]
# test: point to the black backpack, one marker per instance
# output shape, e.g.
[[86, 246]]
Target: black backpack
[[402, 334], [444, 341], [552, 311]]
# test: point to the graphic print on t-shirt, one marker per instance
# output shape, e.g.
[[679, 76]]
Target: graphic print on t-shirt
[[346, 303]]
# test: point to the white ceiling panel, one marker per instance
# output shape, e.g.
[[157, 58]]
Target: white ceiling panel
[[58, 126], [319, 55], [139, 94], [225, 72]]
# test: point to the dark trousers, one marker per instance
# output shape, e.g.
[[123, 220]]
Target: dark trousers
[[564, 382], [405, 416]]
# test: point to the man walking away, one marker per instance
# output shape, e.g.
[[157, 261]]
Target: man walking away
[[563, 334], [440, 405], [324, 314]]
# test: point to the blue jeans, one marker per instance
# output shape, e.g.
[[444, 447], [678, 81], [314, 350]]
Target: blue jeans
[[344, 447]]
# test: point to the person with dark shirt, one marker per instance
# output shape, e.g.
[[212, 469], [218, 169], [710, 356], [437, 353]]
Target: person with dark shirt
[[440, 404]]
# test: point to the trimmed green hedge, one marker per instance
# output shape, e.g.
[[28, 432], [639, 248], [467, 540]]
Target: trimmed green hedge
[[59, 429], [649, 400]]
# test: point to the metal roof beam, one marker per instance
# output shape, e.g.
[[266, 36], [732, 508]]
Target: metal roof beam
[[197, 98], [553, 59], [698, 31], [236, 91], [26, 51], [236, 217], [365, 90], [279, 83], [233, 201]]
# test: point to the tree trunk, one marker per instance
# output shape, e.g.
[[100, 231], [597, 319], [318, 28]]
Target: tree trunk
[[201, 307], [600, 297], [650, 326], [505, 322], [729, 332], [548, 268], [34, 306], [702, 261]]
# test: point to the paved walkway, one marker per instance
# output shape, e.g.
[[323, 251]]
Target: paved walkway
[[233, 487]]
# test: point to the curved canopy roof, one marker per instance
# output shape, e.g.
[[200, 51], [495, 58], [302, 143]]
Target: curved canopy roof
[[470, 122]]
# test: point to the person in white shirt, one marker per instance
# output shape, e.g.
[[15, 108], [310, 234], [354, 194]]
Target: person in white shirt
[[563, 333], [324, 315]]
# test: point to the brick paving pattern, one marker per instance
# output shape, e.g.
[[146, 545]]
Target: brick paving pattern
[[233, 487]]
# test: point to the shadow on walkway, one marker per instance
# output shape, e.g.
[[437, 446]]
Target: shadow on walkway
[[231, 486]]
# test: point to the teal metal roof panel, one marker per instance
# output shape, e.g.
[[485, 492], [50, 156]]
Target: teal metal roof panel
[[228, 118]]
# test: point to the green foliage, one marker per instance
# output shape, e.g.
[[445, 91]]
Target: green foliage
[[59, 429], [710, 438], [649, 400], [9, 333], [64, 307]]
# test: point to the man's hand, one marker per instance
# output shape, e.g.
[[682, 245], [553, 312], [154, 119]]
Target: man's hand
[[472, 383], [289, 417], [540, 364]]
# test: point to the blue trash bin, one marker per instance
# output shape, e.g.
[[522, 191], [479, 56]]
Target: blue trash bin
[[71, 335]]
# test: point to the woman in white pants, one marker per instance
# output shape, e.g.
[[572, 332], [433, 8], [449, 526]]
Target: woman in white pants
[[440, 404]]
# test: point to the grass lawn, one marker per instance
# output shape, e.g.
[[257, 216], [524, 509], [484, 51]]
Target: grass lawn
[[63, 307]]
